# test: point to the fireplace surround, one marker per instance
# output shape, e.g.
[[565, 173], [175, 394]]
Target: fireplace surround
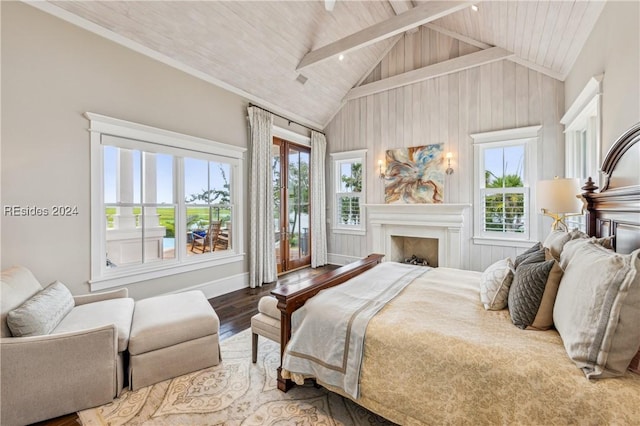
[[442, 222]]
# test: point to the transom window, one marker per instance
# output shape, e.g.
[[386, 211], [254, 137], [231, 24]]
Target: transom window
[[162, 203], [505, 167], [348, 183]]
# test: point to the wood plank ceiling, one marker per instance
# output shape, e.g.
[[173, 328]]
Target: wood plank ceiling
[[255, 47]]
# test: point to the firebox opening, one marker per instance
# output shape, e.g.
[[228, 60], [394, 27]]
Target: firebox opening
[[403, 248]]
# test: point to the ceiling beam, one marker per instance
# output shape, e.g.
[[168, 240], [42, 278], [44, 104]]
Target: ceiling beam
[[401, 6], [412, 18], [515, 58], [458, 36], [460, 63]]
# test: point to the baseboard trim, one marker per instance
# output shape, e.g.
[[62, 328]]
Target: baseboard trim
[[222, 286]]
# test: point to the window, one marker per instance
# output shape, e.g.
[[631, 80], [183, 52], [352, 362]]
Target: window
[[162, 203], [349, 189], [582, 139], [505, 167]]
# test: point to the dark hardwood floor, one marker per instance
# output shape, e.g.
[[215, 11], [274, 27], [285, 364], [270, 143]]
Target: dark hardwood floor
[[235, 310]]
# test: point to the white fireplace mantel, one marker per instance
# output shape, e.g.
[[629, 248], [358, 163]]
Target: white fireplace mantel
[[443, 222]]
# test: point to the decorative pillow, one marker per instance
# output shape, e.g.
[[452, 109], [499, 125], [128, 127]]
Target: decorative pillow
[[597, 310], [576, 233], [569, 251], [536, 248], [494, 285], [606, 242], [533, 294], [40, 314], [555, 241], [535, 257]]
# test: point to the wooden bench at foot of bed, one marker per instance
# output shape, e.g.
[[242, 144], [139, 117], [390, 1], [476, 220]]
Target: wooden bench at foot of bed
[[292, 297]]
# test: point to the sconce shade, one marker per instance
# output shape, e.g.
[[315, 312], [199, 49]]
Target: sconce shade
[[558, 195]]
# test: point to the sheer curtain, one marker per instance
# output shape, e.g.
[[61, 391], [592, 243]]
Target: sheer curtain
[[262, 257], [318, 200]]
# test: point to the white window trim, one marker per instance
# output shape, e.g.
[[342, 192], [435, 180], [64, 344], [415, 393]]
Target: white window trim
[[290, 136], [356, 155], [529, 136], [166, 141], [585, 114]]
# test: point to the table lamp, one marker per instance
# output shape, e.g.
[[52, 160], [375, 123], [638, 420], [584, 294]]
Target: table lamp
[[559, 198]]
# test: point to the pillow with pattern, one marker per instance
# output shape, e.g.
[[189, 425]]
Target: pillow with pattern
[[533, 293], [494, 285]]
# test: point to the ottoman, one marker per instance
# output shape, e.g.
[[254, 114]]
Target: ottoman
[[172, 335]]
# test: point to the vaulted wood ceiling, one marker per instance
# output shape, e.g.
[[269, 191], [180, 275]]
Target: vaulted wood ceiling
[[260, 49]]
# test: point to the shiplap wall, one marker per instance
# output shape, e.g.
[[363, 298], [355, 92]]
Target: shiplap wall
[[446, 110]]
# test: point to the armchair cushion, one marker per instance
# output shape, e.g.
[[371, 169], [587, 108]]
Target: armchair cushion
[[18, 285], [40, 314], [268, 305], [114, 311]]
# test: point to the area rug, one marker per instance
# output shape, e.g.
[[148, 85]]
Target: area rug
[[235, 392]]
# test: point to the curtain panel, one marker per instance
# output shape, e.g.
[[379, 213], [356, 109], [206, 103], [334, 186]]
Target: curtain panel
[[262, 258], [318, 200]]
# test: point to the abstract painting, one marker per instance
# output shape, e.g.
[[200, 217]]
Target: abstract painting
[[414, 175]]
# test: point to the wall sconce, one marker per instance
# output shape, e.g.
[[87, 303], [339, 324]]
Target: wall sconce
[[559, 199], [449, 156], [380, 172]]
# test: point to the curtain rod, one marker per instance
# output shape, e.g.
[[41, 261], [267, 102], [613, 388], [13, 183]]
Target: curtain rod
[[285, 118]]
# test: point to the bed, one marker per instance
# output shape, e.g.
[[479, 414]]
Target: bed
[[433, 354]]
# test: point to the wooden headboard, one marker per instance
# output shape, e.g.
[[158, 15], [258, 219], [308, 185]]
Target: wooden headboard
[[615, 209]]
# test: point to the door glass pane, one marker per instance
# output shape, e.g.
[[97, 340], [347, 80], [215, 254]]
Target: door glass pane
[[298, 204]]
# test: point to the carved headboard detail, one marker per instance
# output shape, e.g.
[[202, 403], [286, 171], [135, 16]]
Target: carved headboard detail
[[615, 209]]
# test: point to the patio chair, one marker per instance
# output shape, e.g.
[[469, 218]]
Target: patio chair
[[224, 237], [208, 240]]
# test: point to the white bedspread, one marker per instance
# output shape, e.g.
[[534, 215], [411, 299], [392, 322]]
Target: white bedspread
[[328, 331]]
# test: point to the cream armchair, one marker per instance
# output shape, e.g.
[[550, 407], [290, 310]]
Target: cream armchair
[[76, 366]]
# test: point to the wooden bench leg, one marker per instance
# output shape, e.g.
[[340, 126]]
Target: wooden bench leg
[[254, 347]]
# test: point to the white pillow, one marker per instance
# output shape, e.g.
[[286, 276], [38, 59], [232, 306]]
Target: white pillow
[[555, 241], [494, 285], [597, 308], [40, 314]]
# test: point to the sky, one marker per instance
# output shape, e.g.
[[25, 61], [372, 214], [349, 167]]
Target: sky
[[512, 157]]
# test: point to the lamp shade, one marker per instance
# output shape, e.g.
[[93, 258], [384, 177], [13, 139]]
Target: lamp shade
[[558, 195]]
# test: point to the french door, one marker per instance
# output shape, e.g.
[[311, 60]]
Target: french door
[[291, 177]]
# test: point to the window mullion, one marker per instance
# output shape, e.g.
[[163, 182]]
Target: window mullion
[[181, 213]]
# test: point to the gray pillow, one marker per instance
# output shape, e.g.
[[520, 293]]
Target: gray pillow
[[533, 293], [534, 257], [40, 314], [522, 256], [597, 310]]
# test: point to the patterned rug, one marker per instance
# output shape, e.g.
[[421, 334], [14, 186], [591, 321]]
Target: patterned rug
[[235, 392]]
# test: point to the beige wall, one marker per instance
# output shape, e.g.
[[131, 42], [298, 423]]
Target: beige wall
[[613, 48], [53, 72], [447, 110]]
